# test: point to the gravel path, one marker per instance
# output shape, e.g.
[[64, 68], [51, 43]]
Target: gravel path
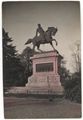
[[19, 108]]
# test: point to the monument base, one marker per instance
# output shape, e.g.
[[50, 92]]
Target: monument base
[[45, 78], [47, 84]]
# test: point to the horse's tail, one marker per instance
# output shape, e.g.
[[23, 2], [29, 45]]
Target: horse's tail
[[28, 42]]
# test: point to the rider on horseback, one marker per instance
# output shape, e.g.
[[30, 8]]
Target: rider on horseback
[[40, 33], [43, 37]]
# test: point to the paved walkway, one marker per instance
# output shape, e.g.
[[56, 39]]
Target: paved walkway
[[40, 108]]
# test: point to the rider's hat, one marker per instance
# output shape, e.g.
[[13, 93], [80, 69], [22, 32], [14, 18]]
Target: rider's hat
[[39, 24]]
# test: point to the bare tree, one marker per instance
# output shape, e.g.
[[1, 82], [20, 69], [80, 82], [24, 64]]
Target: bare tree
[[77, 57]]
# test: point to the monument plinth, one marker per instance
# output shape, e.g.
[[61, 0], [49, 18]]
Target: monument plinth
[[45, 78]]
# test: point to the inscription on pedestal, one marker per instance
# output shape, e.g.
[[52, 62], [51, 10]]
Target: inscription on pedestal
[[44, 67]]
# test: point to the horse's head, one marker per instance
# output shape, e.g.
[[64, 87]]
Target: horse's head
[[52, 30]]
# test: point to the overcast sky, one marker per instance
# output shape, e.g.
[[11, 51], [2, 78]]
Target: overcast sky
[[20, 19]]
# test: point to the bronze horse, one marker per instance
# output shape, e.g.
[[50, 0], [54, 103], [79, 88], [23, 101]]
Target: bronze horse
[[37, 40]]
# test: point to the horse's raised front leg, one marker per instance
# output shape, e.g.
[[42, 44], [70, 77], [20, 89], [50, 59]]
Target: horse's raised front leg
[[55, 41], [53, 46]]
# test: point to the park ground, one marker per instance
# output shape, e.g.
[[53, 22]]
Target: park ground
[[19, 108]]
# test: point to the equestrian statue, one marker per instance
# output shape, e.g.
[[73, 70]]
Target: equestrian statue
[[43, 37]]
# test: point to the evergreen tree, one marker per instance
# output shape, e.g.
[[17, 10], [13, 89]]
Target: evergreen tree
[[12, 68], [26, 62]]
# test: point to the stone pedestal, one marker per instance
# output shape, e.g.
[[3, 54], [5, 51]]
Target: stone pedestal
[[45, 78]]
